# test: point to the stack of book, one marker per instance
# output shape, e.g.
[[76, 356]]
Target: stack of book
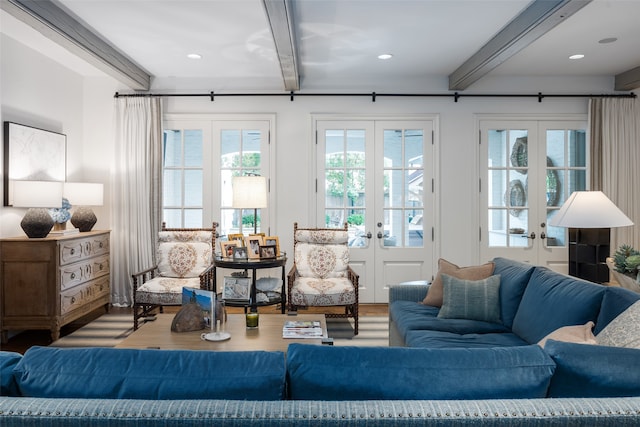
[[302, 329]]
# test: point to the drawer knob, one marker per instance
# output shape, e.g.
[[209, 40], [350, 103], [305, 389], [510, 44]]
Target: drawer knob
[[73, 275], [100, 245], [73, 300], [73, 251]]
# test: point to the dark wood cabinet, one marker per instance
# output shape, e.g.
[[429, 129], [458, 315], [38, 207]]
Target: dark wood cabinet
[[47, 283], [588, 252]]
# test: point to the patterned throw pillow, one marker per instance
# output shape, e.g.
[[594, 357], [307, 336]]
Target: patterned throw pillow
[[623, 331], [476, 272], [178, 259], [471, 299], [578, 334], [322, 261]]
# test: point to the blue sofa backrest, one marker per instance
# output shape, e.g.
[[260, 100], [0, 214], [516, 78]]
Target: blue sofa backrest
[[401, 373], [150, 374], [552, 300], [514, 277], [615, 301]]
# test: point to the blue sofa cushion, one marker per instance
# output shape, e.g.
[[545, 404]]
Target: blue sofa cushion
[[151, 374], [615, 301], [8, 361], [593, 371], [471, 299], [409, 316], [439, 339], [359, 373], [552, 300], [514, 276]]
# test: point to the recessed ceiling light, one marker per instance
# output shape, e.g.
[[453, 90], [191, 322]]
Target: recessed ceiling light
[[385, 56], [577, 56], [608, 40], [194, 56]]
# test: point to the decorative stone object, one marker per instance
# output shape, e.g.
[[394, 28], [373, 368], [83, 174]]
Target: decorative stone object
[[189, 318]]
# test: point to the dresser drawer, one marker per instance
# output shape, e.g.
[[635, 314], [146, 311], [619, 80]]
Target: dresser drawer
[[82, 248], [77, 297], [74, 274]]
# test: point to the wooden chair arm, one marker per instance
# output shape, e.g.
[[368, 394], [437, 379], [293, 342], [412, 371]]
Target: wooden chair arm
[[143, 276], [291, 277], [206, 279], [354, 278]]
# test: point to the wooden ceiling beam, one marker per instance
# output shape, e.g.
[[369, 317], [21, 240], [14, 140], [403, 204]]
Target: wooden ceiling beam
[[628, 80], [56, 24], [279, 15], [533, 22]]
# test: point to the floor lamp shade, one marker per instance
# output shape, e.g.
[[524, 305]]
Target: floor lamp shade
[[82, 195], [37, 195], [250, 192], [589, 216], [589, 209]]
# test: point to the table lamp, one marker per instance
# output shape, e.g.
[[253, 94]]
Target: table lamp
[[82, 195], [589, 216], [37, 195], [250, 192]]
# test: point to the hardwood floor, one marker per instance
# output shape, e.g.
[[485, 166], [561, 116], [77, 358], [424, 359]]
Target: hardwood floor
[[25, 339]]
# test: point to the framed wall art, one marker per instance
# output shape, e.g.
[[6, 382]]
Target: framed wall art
[[32, 154]]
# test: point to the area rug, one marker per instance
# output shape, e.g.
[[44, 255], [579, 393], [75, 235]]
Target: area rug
[[107, 330], [110, 329]]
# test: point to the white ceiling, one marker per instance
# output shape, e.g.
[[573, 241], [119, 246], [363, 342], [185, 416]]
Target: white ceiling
[[338, 41]]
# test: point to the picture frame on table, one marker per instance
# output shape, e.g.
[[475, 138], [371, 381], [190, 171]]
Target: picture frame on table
[[240, 253], [272, 241], [238, 237], [236, 289], [253, 244], [227, 248], [268, 251]]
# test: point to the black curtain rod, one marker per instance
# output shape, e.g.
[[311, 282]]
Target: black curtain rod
[[456, 95]]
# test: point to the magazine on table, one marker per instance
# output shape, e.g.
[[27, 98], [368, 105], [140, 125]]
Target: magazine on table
[[302, 329]]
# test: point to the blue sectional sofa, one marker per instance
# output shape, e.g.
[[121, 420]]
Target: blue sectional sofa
[[533, 303], [460, 372]]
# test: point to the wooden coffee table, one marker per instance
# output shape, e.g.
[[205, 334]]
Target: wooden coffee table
[[268, 336]]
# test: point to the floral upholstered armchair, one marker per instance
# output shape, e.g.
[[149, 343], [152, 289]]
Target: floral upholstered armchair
[[321, 275], [184, 258]]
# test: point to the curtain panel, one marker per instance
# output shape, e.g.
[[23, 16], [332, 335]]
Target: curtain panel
[[614, 125], [136, 205]]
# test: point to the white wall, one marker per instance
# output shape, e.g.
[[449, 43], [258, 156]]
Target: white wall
[[39, 92]]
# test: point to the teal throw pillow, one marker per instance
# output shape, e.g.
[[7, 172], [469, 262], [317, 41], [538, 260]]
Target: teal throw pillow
[[471, 299]]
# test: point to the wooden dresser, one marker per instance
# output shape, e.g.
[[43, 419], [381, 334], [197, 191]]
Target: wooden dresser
[[47, 283]]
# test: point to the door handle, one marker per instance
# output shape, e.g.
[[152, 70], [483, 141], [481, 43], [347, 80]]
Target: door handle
[[543, 236], [380, 235], [531, 236], [369, 235]]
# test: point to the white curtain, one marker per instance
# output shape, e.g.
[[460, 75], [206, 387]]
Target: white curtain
[[137, 191], [615, 134]]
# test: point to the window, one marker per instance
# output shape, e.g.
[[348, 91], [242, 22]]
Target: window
[[201, 154], [182, 187]]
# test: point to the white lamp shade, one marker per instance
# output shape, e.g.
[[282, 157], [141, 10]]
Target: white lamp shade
[[37, 194], [249, 192], [84, 193], [589, 209]]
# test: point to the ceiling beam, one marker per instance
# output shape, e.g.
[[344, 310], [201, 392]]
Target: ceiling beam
[[56, 24], [279, 15], [628, 80], [533, 22]]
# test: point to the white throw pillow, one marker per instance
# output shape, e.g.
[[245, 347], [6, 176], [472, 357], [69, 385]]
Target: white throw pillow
[[579, 334]]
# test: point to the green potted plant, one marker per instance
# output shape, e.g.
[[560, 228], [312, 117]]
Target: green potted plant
[[626, 267]]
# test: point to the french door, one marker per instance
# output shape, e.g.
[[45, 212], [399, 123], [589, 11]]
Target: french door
[[528, 169], [377, 176]]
